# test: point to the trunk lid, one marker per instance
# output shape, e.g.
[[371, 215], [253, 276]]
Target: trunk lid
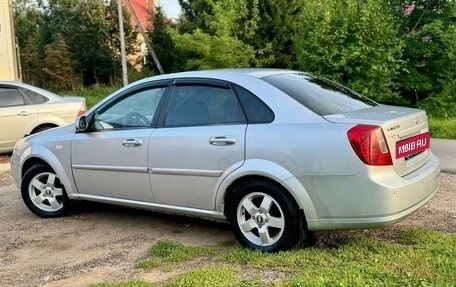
[[403, 128], [73, 99]]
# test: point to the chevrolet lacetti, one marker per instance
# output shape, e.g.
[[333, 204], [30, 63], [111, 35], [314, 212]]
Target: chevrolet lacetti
[[278, 154]]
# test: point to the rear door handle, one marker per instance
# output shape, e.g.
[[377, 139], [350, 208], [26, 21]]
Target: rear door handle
[[222, 141], [132, 142], [23, 113]]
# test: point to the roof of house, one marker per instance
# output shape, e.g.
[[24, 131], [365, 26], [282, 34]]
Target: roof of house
[[142, 10]]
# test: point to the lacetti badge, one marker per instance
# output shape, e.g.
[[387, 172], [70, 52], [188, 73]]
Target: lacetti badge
[[412, 145]]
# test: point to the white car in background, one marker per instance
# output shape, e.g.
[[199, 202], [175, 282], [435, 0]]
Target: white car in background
[[25, 110]]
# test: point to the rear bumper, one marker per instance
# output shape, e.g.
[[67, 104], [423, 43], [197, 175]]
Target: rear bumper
[[376, 197]]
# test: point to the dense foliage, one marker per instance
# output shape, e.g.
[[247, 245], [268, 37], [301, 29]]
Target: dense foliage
[[398, 51], [351, 42], [163, 44], [76, 36]]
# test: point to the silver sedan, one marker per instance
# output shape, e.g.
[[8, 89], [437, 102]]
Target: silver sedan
[[279, 154]]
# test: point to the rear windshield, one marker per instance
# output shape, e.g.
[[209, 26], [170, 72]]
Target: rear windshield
[[321, 96]]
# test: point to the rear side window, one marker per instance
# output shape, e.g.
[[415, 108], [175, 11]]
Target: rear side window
[[203, 105], [10, 97], [255, 109], [35, 97], [321, 96]]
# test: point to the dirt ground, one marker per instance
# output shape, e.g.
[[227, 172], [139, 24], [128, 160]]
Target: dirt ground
[[103, 243]]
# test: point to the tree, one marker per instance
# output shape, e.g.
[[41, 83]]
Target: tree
[[90, 30], [273, 38], [131, 45], [59, 67], [353, 42], [27, 21], [428, 29], [194, 15], [27, 26], [163, 44], [218, 42], [206, 51], [31, 62]]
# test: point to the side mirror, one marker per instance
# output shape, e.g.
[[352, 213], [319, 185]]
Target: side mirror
[[81, 124]]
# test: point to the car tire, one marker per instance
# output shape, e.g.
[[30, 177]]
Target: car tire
[[264, 216], [43, 193]]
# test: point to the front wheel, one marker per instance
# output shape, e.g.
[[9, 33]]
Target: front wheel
[[264, 217], [43, 193]]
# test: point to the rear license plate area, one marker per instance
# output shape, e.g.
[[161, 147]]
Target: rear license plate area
[[411, 147], [413, 155]]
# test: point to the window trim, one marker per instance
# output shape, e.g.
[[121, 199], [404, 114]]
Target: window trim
[[201, 81]]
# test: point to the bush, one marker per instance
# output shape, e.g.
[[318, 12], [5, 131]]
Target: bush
[[442, 105]]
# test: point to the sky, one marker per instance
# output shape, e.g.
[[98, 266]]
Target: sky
[[172, 7]]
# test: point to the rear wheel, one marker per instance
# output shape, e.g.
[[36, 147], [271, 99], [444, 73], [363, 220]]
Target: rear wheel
[[43, 193], [264, 217]]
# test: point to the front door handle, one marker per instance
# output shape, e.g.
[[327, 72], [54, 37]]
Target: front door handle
[[132, 142], [222, 141], [22, 113]]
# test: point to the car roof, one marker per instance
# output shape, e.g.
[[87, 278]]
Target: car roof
[[256, 72], [221, 73]]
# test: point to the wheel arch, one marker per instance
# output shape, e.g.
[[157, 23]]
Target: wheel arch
[[41, 155], [30, 162], [264, 170], [46, 120], [231, 189], [43, 125]]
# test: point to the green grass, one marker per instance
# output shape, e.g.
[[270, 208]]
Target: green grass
[[165, 252], [416, 258], [206, 277], [92, 94], [411, 258], [442, 128], [213, 276]]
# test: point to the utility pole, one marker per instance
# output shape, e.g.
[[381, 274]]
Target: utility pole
[[146, 39], [122, 44]]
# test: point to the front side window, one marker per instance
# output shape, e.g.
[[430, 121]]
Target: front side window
[[10, 97], [134, 110], [319, 95], [203, 105]]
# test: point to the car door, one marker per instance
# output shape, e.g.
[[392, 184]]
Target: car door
[[201, 138], [110, 160], [17, 115]]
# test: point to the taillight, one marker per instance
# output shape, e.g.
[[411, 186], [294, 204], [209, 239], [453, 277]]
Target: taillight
[[369, 143], [82, 110]]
